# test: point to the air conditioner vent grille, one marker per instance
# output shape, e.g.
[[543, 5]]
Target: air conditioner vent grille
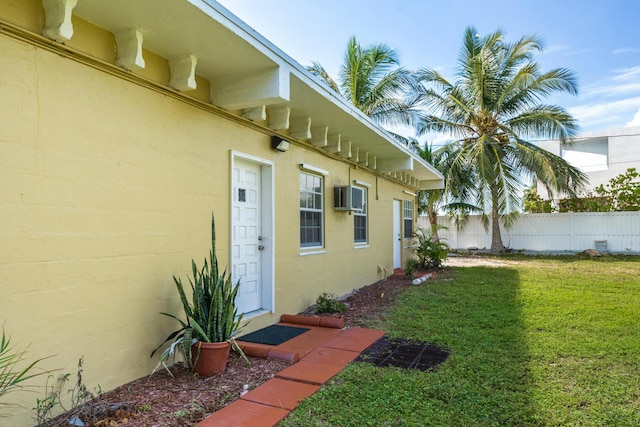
[[348, 198]]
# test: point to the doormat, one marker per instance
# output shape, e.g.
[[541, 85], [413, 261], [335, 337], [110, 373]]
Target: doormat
[[403, 353], [273, 335]]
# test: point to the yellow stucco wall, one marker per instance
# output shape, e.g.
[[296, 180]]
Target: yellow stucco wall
[[107, 192]]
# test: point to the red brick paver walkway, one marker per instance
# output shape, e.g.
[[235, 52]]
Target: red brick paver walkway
[[318, 355]]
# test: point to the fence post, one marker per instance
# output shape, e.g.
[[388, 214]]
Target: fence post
[[573, 234], [455, 231]]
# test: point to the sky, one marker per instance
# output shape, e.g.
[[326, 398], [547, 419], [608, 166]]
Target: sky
[[599, 40]]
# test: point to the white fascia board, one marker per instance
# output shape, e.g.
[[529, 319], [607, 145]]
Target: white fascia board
[[428, 166], [436, 184], [219, 13], [222, 15]]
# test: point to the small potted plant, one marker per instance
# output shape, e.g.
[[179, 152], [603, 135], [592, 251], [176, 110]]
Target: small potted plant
[[212, 320]]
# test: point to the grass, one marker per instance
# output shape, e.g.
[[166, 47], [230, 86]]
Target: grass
[[545, 341]]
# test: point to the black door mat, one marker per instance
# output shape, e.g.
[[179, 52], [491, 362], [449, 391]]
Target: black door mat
[[273, 335], [402, 353]]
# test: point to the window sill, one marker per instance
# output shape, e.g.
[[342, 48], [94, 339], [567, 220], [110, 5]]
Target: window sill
[[361, 246], [313, 252]]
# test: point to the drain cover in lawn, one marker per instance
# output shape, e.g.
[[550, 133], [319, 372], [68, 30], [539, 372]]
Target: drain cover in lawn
[[403, 354], [273, 335]]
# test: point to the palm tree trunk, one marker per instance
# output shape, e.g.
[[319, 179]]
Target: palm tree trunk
[[496, 237], [433, 220]]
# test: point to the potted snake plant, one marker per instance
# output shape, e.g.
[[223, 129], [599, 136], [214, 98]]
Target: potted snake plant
[[212, 320]]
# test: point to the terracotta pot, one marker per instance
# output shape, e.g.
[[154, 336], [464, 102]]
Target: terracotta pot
[[209, 358]]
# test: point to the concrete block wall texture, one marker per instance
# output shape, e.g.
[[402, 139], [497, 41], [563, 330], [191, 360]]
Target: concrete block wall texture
[[107, 189]]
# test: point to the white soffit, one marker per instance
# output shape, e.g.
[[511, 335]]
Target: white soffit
[[231, 54], [172, 28]]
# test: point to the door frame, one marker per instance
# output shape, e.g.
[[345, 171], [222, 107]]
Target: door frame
[[397, 226], [267, 194]]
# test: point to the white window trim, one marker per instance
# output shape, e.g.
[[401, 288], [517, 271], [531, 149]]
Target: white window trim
[[404, 218], [313, 250], [361, 183], [366, 192], [313, 169]]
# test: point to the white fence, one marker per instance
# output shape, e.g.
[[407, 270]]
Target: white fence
[[615, 232]]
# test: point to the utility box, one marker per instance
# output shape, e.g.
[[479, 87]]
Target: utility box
[[601, 245]]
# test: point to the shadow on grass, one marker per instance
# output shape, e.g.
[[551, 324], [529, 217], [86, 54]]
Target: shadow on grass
[[484, 381], [478, 318]]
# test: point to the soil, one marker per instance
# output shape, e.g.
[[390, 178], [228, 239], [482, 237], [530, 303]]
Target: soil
[[184, 399], [482, 259]]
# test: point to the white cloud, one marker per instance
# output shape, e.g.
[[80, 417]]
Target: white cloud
[[615, 90], [611, 102], [441, 139], [605, 115], [623, 82], [626, 50], [556, 48], [630, 73], [579, 52], [636, 120]]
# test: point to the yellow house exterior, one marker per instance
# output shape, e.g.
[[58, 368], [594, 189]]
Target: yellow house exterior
[[123, 126]]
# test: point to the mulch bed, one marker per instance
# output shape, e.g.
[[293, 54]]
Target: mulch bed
[[183, 401]]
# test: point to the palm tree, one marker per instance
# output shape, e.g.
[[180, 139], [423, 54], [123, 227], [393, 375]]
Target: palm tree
[[455, 198], [490, 111], [373, 81]]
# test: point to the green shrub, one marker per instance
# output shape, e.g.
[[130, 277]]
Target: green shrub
[[413, 264], [326, 303], [431, 252], [589, 203], [622, 193], [533, 203]]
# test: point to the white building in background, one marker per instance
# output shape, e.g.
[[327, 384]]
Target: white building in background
[[602, 155]]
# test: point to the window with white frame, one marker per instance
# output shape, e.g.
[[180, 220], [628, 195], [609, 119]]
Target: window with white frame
[[408, 219], [311, 210], [360, 221]]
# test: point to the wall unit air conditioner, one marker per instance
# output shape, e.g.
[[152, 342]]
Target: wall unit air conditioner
[[348, 198]]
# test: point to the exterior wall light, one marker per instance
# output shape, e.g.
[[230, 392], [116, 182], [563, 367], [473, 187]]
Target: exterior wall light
[[279, 144]]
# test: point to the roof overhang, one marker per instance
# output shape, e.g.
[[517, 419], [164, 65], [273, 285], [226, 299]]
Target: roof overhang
[[249, 74]]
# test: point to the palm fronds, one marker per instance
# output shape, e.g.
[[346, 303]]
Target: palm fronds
[[491, 110], [372, 79], [12, 376]]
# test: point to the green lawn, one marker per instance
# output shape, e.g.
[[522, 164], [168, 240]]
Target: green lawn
[[545, 341]]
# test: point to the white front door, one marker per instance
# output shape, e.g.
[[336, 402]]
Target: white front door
[[397, 237], [247, 234]]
